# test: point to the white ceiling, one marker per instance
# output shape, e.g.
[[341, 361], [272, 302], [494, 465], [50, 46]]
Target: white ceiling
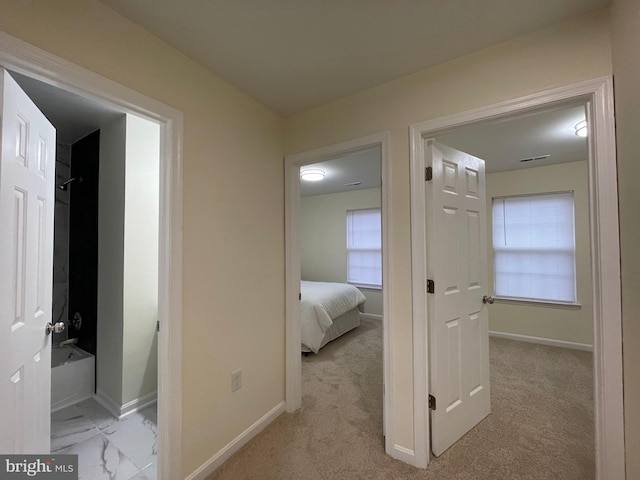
[[503, 143], [361, 167], [295, 54]]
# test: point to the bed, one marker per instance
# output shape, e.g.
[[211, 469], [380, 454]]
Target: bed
[[328, 310]]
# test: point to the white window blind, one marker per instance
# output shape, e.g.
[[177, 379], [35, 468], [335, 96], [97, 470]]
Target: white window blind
[[534, 247], [364, 247]]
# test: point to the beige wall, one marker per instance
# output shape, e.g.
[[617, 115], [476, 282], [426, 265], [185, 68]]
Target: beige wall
[[555, 323], [111, 192], [557, 56], [233, 213], [128, 260], [140, 281], [626, 69], [323, 234]]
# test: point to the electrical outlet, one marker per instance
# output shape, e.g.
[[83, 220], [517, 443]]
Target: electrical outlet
[[236, 380]]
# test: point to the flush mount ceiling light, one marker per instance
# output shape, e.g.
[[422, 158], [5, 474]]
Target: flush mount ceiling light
[[312, 175], [581, 128]]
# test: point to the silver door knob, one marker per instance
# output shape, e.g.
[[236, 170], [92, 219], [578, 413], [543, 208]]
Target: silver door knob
[[487, 299], [57, 328]]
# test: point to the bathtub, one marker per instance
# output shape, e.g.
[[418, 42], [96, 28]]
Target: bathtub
[[72, 376]]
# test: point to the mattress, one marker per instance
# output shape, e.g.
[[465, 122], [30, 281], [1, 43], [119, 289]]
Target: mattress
[[322, 303], [341, 325]]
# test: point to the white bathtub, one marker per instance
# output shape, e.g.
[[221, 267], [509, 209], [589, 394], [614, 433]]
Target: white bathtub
[[72, 376]]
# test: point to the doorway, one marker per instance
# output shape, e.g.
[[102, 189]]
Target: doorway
[[597, 98], [293, 164], [537, 268], [24, 59]]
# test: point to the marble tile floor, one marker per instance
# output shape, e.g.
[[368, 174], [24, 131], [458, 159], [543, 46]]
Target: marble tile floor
[[107, 448]]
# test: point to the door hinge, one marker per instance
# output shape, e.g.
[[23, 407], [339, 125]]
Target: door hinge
[[300, 296], [428, 173], [431, 286], [158, 325], [432, 402]]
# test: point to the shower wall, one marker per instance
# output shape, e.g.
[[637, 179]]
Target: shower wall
[[83, 241], [61, 242]]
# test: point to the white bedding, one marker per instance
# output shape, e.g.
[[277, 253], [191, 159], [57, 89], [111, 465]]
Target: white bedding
[[321, 303]]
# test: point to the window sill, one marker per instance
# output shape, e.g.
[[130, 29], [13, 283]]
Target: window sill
[[538, 303], [366, 287]]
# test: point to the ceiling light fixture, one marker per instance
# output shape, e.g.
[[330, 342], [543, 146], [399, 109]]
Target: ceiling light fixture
[[581, 128], [312, 175]]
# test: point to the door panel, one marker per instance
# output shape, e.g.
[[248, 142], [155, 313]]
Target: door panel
[[27, 174], [458, 320]]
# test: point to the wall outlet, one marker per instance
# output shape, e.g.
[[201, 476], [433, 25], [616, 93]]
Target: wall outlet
[[236, 380]]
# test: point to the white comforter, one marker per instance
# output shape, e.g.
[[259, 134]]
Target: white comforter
[[322, 302]]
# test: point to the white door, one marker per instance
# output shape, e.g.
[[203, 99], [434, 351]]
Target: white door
[[27, 169], [458, 319]]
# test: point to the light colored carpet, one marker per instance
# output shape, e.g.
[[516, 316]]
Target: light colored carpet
[[541, 426]]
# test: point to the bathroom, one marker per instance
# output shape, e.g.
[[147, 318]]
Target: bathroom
[[105, 284]]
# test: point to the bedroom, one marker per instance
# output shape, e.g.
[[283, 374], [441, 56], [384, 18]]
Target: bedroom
[[340, 232], [540, 304]]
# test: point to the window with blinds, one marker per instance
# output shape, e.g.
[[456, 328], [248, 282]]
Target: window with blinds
[[364, 247], [534, 247]]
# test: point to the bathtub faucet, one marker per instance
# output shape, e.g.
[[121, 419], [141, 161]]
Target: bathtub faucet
[[70, 341]]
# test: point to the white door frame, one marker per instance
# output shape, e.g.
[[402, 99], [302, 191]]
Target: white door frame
[[293, 393], [36, 63], [597, 94]]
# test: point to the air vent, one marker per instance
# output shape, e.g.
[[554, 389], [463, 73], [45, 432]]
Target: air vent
[[352, 184], [535, 159]]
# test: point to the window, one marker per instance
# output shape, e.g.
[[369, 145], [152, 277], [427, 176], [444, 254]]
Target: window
[[364, 247], [534, 247]]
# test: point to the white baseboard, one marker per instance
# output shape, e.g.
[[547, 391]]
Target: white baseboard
[[121, 411], [107, 402], [138, 404], [544, 341], [240, 441], [371, 316]]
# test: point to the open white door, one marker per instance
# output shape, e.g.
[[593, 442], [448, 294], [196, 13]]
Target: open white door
[[458, 319], [27, 196]]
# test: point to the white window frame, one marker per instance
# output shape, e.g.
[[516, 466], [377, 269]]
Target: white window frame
[[360, 282], [502, 295]]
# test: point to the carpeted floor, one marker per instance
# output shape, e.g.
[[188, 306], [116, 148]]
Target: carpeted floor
[[541, 425]]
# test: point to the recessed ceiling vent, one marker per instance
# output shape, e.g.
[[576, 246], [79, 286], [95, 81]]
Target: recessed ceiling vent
[[535, 159], [352, 184]]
